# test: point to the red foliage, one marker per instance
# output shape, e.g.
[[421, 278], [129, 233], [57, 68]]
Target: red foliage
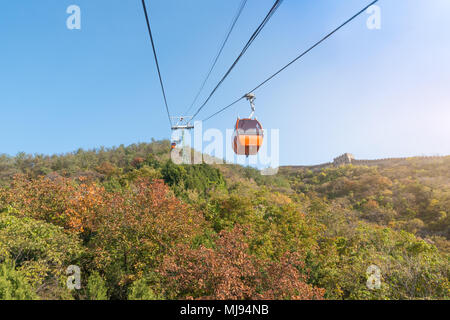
[[230, 272]]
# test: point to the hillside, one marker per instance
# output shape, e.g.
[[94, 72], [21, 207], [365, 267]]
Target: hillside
[[141, 227], [411, 194]]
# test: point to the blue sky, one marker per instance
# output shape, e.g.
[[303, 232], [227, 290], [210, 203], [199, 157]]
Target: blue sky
[[374, 93]]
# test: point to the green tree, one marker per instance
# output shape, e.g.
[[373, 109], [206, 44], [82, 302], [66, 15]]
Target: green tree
[[141, 290], [13, 285], [96, 287], [41, 252]]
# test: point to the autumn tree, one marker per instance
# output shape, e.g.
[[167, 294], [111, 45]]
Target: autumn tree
[[229, 271]]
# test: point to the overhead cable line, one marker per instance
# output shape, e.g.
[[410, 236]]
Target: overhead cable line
[[156, 61], [249, 43], [230, 30], [295, 60]]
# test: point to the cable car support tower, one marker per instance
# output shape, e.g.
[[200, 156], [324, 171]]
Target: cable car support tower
[[181, 124]]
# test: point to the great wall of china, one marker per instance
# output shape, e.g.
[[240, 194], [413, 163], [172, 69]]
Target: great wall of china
[[348, 158]]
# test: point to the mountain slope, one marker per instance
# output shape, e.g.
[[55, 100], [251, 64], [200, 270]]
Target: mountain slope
[[142, 227]]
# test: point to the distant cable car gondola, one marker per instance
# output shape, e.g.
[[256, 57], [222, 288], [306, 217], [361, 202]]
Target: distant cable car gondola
[[248, 135]]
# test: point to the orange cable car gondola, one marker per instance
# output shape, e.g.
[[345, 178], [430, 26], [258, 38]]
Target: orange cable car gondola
[[248, 135]]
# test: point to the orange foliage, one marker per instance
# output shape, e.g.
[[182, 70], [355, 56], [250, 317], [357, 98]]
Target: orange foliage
[[43, 199], [106, 168], [371, 205], [132, 228]]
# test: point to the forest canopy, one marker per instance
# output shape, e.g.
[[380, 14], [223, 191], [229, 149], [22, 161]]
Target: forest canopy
[[142, 227]]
